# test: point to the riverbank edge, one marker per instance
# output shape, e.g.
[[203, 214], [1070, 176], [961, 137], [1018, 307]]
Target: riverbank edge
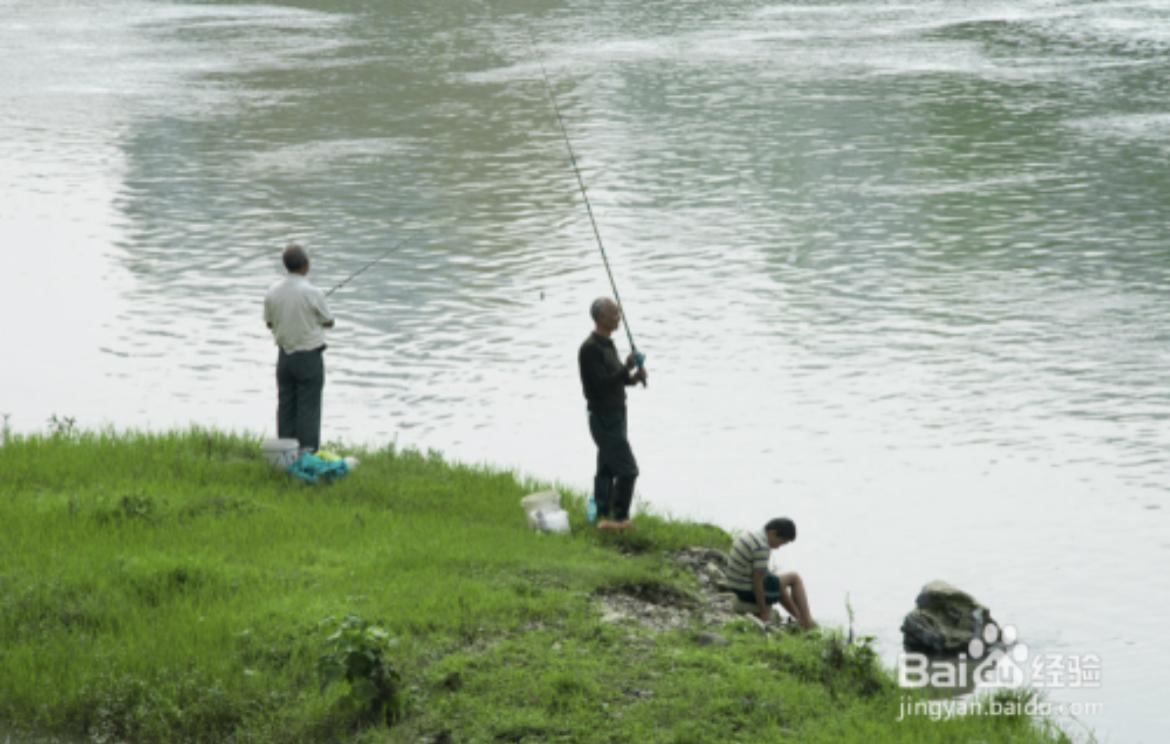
[[587, 637]]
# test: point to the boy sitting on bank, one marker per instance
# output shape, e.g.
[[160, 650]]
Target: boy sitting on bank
[[749, 578]]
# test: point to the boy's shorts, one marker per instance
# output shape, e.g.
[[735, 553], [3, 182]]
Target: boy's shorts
[[771, 591]]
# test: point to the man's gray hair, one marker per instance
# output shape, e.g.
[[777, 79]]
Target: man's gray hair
[[597, 306], [294, 257]]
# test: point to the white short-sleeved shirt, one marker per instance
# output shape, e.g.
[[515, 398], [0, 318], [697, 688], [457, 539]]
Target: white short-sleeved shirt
[[296, 311]]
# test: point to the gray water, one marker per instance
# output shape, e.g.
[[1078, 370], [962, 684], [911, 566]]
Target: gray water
[[900, 269]]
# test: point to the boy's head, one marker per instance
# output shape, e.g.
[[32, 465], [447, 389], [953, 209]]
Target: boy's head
[[780, 531]]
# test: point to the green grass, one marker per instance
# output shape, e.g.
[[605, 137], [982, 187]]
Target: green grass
[[171, 588]]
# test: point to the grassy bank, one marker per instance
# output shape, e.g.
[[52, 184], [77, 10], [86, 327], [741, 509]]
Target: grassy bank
[[173, 588]]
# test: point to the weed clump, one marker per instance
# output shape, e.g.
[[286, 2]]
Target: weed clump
[[183, 707], [217, 506], [356, 651], [130, 508], [853, 666], [52, 606], [156, 586]]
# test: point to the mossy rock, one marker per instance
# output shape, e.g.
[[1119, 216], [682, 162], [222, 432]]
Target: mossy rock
[[944, 622]]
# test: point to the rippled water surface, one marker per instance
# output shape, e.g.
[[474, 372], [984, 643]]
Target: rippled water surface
[[901, 269]]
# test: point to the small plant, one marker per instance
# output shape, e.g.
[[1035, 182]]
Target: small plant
[[849, 611], [466, 630], [62, 427], [129, 507], [863, 645], [851, 659], [356, 651]]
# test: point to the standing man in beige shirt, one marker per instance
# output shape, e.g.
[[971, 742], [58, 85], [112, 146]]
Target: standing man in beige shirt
[[295, 311]]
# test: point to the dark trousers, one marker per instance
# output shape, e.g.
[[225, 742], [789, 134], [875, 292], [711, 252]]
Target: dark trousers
[[300, 377], [771, 591], [613, 485]]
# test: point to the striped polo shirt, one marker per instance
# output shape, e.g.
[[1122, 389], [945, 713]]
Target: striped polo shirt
[[749, 553]]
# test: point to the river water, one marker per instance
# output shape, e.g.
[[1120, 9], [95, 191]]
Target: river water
[[901, 269]]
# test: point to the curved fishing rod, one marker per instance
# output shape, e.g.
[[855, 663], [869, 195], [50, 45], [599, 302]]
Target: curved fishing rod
[[355, 274], [639, 357]]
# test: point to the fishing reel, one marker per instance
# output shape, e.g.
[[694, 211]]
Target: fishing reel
[[639, 361]]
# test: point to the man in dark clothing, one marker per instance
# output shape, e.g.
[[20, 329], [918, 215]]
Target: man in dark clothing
[[604, 379]]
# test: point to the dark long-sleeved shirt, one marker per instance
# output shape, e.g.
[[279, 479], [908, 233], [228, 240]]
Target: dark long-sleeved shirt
[[603, 376]]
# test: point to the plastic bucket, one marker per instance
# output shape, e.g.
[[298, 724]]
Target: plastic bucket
[[542, 501], [280, 453], [556, 521]]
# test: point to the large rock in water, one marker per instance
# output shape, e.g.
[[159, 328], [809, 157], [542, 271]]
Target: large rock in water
[[945, 621]]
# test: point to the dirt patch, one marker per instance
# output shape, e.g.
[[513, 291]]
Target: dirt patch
[[660, 606], [652, 592]]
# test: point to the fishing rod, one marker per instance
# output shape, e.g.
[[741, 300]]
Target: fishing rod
[[355, 274], [639, 357]]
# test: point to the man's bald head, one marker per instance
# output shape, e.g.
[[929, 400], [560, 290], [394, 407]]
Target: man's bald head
[[599, 306], [296, 260], [606, 315]]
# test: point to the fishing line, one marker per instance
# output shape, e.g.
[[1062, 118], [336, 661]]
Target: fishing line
[[355, 274], [638, 356]]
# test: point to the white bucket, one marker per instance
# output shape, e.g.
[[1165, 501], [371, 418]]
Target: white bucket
[[544, 512], [556, 521], [542, 501], [280, 453]]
